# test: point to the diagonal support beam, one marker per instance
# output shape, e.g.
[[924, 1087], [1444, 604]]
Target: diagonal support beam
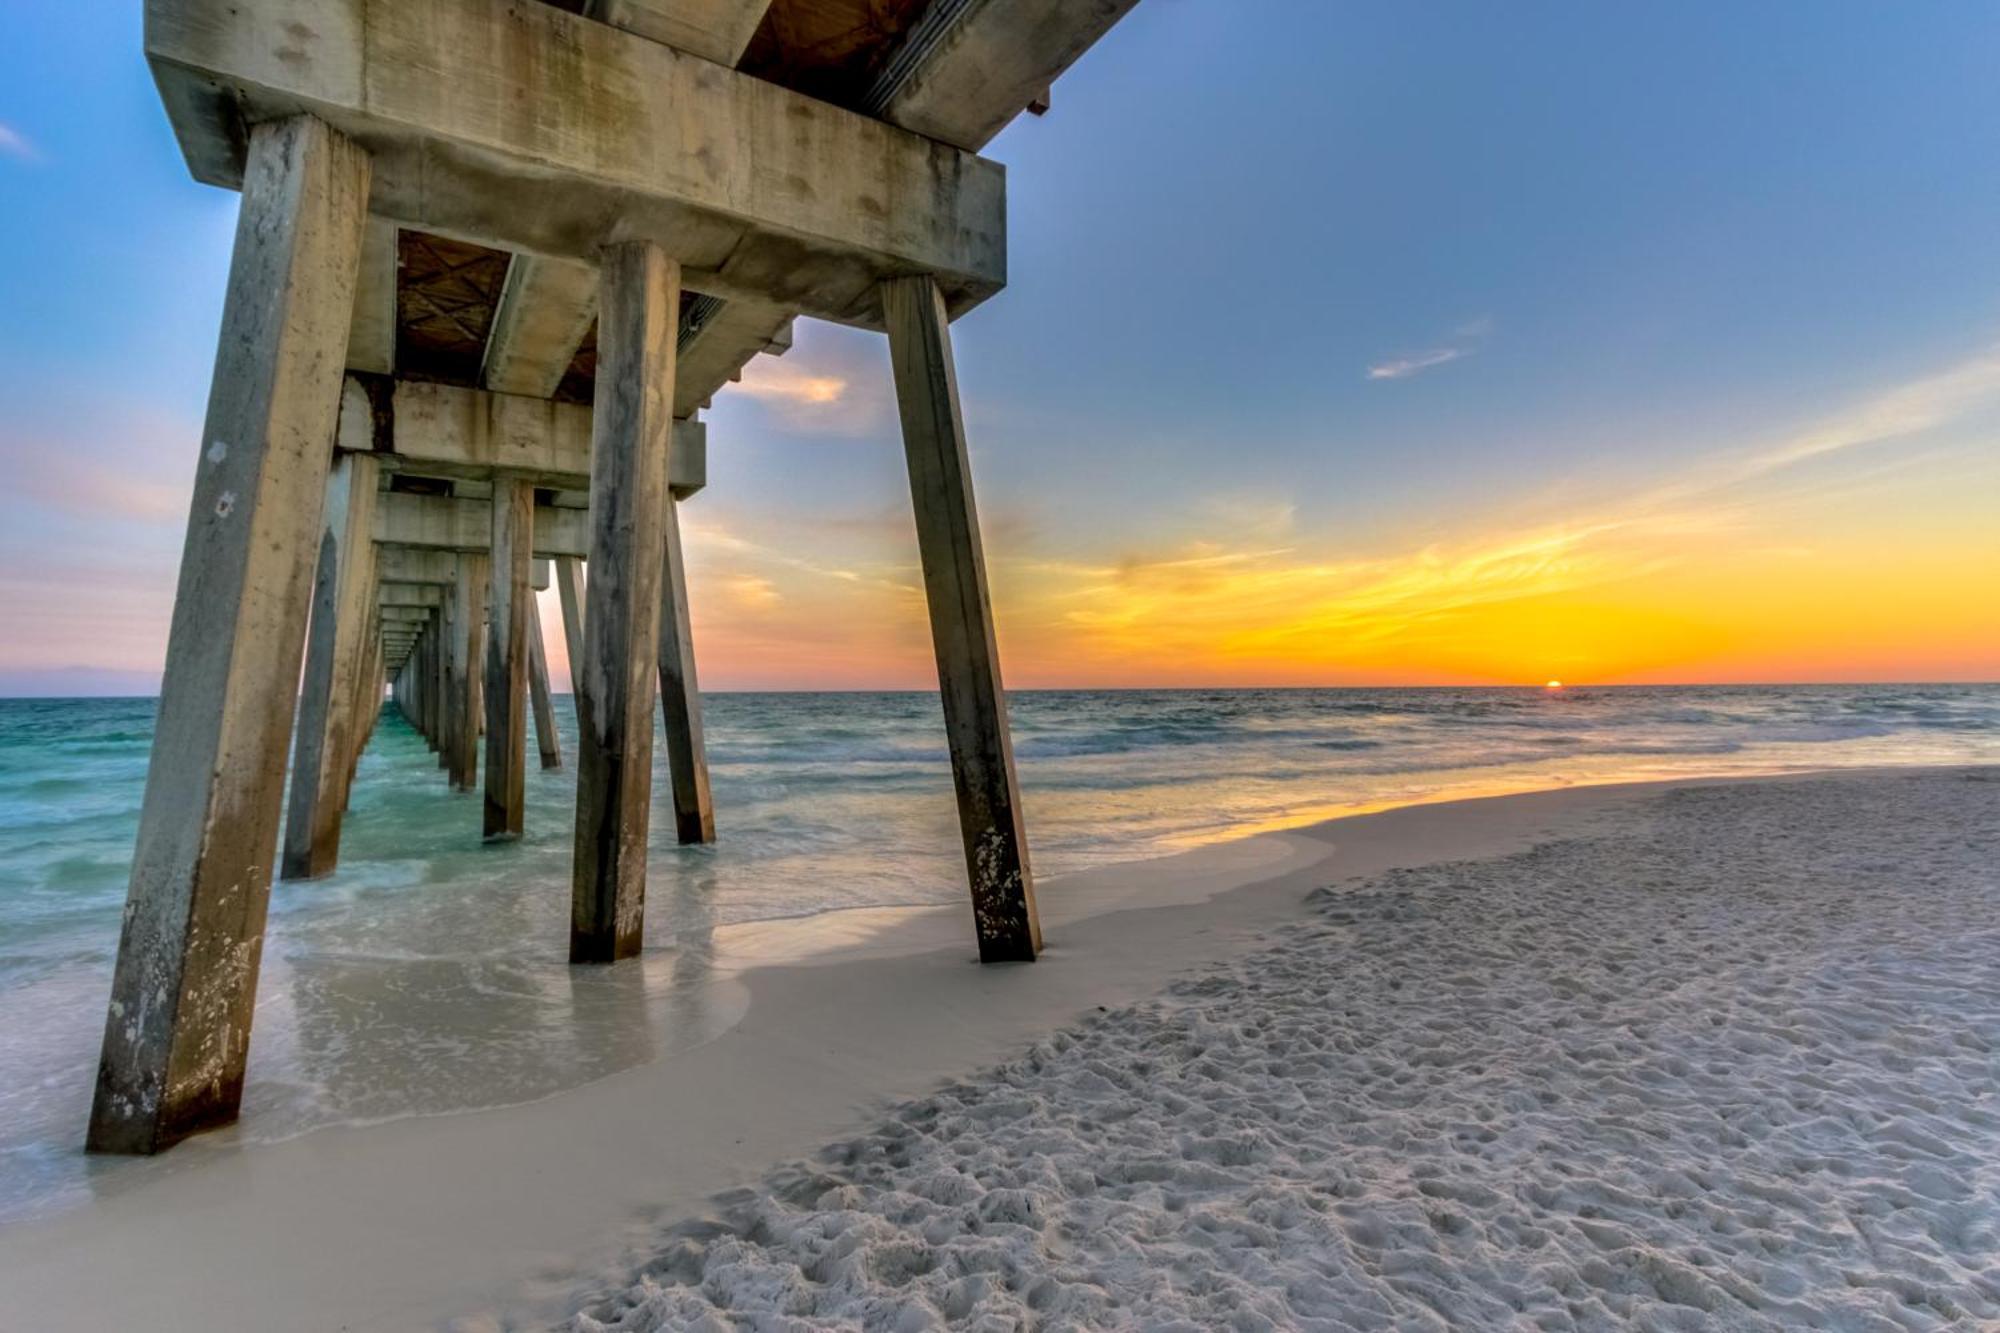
[[680, 696], [968, 656], [569, 589], [546, 736]]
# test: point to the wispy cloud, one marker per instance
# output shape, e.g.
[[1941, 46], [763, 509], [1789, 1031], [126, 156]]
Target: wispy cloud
[[751, 591], [16, 145], [768, 378], [1464, 339], [713, 534], [1402, 367], [834, 382]]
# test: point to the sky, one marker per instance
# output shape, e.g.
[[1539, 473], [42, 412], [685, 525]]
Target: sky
[[1344, 344]]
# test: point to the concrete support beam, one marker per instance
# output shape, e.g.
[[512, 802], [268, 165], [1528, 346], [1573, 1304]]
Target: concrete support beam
[[371, 339], [546, 308], [680, 695], [975, 704], [540, 131], [717, 30], [440, 430], [468, 650], [971, 66], [546, 736], [343, 617], [415, 565], [569, 588], [714, 354], [410, 594], [638, 305], [455, 523], [508, 606], [177, 1033]]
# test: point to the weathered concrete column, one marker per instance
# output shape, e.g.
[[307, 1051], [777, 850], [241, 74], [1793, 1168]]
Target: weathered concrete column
[[450, 700], [177, 1034], [975, 705], [425, 680], [569, 587], [343, 618], [367, 691], [361, 705], [632, 429], [467, 651], [416, 683], [507, 609], [440, 680], [680, 695], [546, 735]]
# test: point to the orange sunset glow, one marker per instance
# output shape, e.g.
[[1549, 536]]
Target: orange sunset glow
[[1795, 558]]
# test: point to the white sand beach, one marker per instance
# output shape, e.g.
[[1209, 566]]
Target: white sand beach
[[1673, 1056]]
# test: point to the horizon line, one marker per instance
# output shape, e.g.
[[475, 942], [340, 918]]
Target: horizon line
[[1566, 687]]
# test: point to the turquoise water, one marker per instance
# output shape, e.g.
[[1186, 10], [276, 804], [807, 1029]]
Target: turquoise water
[[428, 975]]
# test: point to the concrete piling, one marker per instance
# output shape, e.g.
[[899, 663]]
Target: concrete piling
[[638, 296], [968, 659], [547, 738], [466, 670], [680, 695], [342, 625], [507, 659], [183, 991]]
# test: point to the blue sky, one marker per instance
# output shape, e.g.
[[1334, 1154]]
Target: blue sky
[[1299, 287]]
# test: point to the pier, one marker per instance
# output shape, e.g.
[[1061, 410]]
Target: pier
[[493, 259]]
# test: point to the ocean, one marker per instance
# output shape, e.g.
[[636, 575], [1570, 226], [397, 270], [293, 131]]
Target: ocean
[[427, 976]]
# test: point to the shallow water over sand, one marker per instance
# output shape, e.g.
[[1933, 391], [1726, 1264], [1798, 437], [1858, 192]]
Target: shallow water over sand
[[428, 975]]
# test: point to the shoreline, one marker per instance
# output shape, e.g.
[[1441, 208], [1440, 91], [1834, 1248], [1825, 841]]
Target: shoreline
[[502, 1209]]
